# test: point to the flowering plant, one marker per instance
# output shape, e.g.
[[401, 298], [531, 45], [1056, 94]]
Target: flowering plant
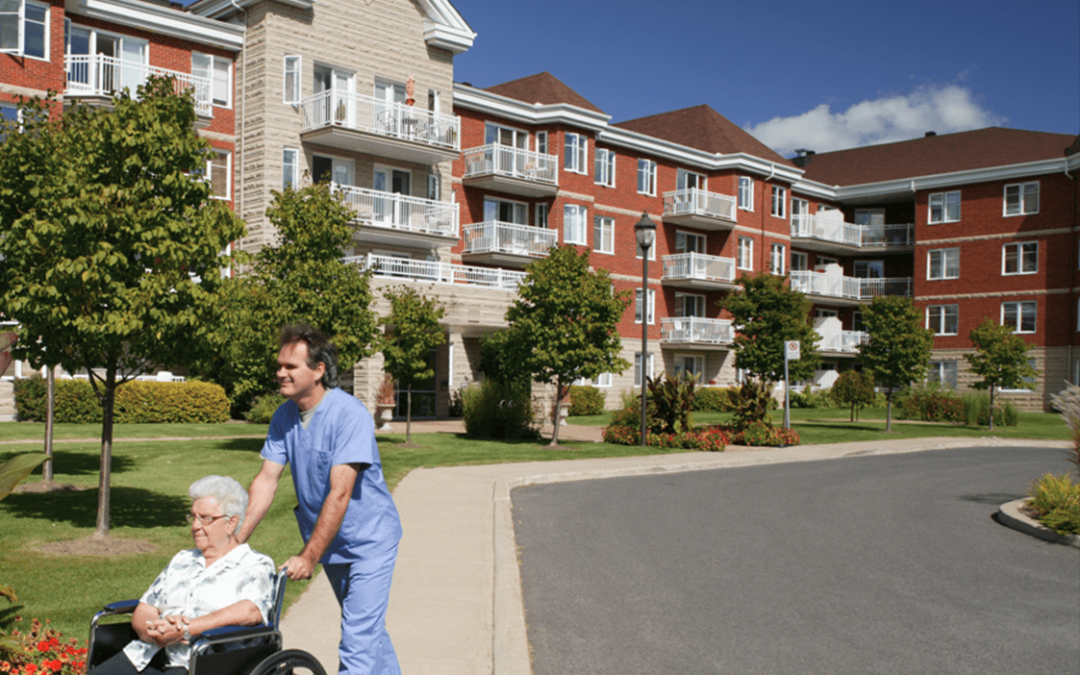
[[761, 433], [43, 651], [711, 439]]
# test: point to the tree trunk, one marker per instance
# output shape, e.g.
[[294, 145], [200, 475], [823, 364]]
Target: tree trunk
[[104, 491], [852, 412], [559, 391], [408, 415], [991, 407], [50, 414], [888, 410]]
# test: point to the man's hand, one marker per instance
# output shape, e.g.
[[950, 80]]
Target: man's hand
[[298, 567]]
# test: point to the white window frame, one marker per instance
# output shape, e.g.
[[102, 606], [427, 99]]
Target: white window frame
[[542, 142], [1020, 246], [943, 255], [682, 238], [651, 308], [434, 187], [493, 135], [637, 367], [1019, 199], [937, 317], [803, 259], [21, 19], [541, 216], [209, 176], [779, 202], [574, 219], [682, 180], [1019, 306], [1030, 380], [292, 64], [777, 259], [943, 201], [869, 216], [699, 303], [698, 361], [943, 372], [602, 381], [520, 210], [290, 169], [745, 257], [646, 171], [746, 193], [604, 234], [576, 153], [213, 68], [605, 167]]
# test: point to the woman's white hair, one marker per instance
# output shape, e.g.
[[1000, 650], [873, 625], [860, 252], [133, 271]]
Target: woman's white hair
[[229, 494]]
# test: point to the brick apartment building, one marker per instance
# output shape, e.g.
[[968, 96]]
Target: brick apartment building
[[456, 188]]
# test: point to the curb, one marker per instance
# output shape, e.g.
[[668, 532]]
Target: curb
[[1010, 515]]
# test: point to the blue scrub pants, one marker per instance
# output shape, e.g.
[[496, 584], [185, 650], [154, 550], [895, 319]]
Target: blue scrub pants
[[363, 591]]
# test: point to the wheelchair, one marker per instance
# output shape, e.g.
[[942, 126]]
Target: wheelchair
[[228, 650]]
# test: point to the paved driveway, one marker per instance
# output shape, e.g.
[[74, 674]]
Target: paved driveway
[[879, 564]]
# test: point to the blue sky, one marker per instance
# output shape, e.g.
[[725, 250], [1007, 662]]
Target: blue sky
[[821, 75]]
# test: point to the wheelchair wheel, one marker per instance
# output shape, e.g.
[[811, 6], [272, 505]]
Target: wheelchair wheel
[[285, 662]]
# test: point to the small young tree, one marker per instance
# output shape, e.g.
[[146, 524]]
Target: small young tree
[[1001, 359], [413, 330], [899, 347], [854, 388], [564, 322]]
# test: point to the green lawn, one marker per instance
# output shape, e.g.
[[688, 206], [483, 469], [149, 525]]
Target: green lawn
[[35, 431]]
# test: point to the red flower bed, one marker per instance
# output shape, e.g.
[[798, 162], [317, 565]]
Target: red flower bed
[[42, 651]]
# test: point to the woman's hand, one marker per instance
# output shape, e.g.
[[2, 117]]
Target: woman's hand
[[167, 631]]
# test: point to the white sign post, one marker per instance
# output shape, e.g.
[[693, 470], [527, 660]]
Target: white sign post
[[792, 352]]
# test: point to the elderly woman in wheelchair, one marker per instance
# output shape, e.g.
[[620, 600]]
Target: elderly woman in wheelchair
[[219, 583]]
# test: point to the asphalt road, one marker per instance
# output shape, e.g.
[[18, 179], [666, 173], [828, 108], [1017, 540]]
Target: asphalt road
[[875, 564]]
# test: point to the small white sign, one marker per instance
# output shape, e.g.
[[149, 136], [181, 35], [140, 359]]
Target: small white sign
[[792, 350]]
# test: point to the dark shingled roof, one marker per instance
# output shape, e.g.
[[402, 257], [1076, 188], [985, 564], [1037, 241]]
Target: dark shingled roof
[[966, 150], [702, 128], [543, 88]]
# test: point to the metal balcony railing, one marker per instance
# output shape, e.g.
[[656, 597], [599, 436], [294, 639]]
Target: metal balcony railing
[[376, 116], [400, 212], [840, 232], [505, 160], [832, 285], [842, 341], [695, 202], [699, 266], [871, 288], [438, 272], [696, 330], [499, 237], [100, 75]]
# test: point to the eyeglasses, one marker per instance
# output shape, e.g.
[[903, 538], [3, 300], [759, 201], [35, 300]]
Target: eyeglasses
[[205, 520]]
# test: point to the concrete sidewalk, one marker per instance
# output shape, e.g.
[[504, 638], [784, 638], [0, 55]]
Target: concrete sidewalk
[[456, 605]]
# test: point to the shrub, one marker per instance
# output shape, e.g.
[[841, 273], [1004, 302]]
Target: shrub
[[137, 402], [808, 398], [670, 402], [30, 396], [855, 390], [586, 401], [762, 433], [713, 399], [752, 404], [708, 440], [932, 403], [498, 410], [262, 411], [1055, 500], [456, 405], [977, 411]]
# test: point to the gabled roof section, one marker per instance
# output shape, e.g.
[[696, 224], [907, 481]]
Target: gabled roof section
[[948, 153], [702, 128], [543, 88]]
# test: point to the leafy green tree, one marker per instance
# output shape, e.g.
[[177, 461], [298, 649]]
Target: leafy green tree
[[854, 388], [899, 347], [564, 322], [500, 359], [413, 330], [303, 279], [1001, 359], [110, 242], [766, 315]]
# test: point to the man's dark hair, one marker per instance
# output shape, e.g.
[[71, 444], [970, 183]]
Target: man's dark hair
[[320, 350]]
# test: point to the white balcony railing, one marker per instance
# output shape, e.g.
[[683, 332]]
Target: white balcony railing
[[695, 202], [499, 237], [505, 160], [438, 272], [376, 116], [871, 288], [699, 266], [847, 341], [852, 288], [400, 212], [830, 228], [696, 330], [99, 75]]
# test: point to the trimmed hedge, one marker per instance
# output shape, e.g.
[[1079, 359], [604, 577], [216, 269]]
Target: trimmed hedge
[[713, 399], [586, 401], [136, 402]]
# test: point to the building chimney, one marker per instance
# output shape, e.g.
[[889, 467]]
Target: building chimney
[[803, 157], [929, 134]]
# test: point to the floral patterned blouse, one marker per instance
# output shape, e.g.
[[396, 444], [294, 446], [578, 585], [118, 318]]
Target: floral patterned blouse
[[190, 588]]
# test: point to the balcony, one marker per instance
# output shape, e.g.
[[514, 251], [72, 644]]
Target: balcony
[[95, 76], [700, 209], [512, 170], [699, 271], [841, 341], [395, 219], [835, 289], [435, 272], [830, 233], [507, 244], [696, 332], [373, 126]]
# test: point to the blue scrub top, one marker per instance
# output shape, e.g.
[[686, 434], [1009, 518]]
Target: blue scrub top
[[341, 432]]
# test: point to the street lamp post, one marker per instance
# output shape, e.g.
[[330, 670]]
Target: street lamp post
[[645, 232]]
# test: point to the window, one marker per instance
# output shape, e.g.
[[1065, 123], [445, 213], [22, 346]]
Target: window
[[652, 306], [746, 253], [746, 193], [646, 177], [687, 180], [798, 262], [219, 72], [799, 208], [574, 224], [689, 305], [1020, 258], [505, 211], [24, 27], [779, 200], [690, 364], [824, 261], [1027, 380], [869, 269], [542, 215], [1022, 199], [602, 380], [869, 216], [604, 235], [943, 319], [777, 258], [857, 322], [605, 167], [942, 372], [542, 142], [434, 187], [944, 207], [1020, 316], [943, 263], [217, 168], [292, 79], [576, 153], [290, 168], [637, 368], [434, 100], [509, 136], [688, 242]]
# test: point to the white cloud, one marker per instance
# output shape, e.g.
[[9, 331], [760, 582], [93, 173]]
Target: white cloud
[[944, 109]]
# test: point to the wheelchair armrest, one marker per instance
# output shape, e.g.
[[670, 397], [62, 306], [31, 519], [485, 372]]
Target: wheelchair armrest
[[235, 632], [121, 607]]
